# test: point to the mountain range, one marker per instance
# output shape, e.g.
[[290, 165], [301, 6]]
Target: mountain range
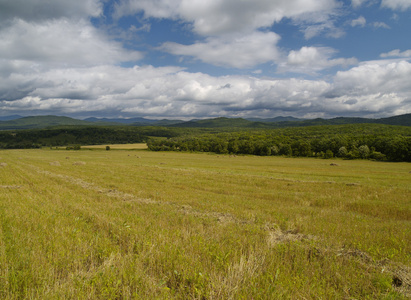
[[35, 122]]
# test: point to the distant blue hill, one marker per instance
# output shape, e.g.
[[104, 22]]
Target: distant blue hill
[[281, 122], [36, 122], [9, 118], [276, 119], [40, 122], [134, 121], [120, 120]]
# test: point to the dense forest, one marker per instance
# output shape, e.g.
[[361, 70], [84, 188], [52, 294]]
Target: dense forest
[[352, 141], [25, 139], [363, 141]]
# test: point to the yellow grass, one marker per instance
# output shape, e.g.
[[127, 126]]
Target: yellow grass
[[140, 146], [157, 225]]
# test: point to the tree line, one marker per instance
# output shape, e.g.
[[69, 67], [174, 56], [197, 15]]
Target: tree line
[[358, 141], [25, 139], [353, 141]]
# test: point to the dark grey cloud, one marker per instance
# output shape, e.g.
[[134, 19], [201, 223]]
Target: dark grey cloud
[[227, 86], [41, 10], [350, 102]]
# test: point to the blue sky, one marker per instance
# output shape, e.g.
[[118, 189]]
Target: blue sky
[[184, 59]]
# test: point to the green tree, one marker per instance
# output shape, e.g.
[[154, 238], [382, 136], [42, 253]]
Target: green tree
[[364, 151], [286, 150], [342, 152], [328, 154]]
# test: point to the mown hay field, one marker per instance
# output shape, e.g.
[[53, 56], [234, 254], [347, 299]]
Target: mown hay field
[[168, 225], [138, 146]]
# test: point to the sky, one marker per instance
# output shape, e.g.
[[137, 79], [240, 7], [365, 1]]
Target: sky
[[193, 59]]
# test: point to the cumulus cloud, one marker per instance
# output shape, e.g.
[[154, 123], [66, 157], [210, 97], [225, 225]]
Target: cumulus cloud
[[53, 60], [357, 3], [313, 59], [243, 51], [60, 42], [257, 48], [360, 21], [320, 23], [374, 89], [220, 17], [159, 92], [367, 89], [397, 53], [235, 31], [396, 4], [375, 78]]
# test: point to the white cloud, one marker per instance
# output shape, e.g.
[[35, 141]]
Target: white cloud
[[243, 51], [313, 59], [220, 17], [397, 4], [360, 21], [232, 16], [392, 4], [234, 30], [397, 53], [374, 89], [377, 88], [320, 23], [376, 77], [53, 60], [152, 8], [380, 25], [357, 3], [60, 42], [158, 92]]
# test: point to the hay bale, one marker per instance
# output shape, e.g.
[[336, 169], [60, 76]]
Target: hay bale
[[3, 165], [79, 163]]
